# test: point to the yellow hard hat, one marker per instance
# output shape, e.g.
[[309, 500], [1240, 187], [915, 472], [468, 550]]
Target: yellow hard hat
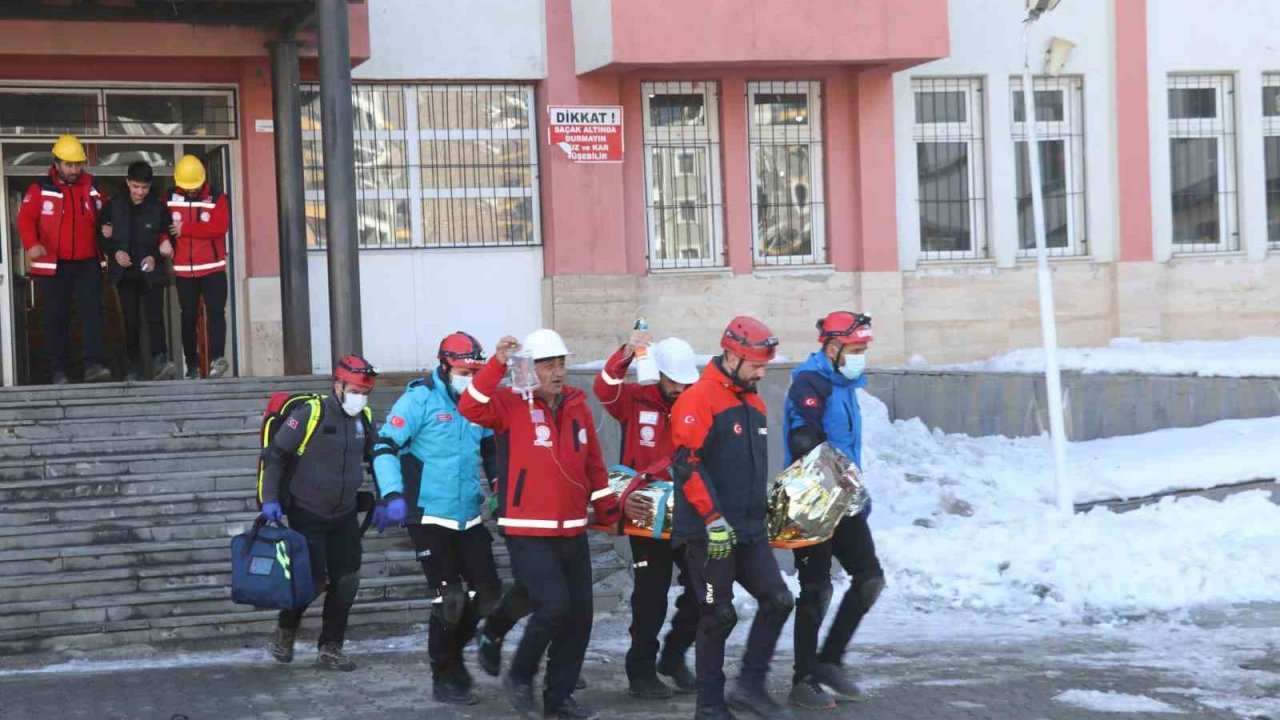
[[69, 149], [189, 175]]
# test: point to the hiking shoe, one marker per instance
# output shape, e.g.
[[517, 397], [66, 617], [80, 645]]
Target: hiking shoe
[[93, 372], [332, 657], [59, 378], [489, 653], [521, 697], [678, 670], [457, 673], [163, 368], [445, 688], [281, 645], [714, 712], [193, 372], [649, 687], [219, 368], [753, 697], [809, 695], [836, 679], [571, 710]]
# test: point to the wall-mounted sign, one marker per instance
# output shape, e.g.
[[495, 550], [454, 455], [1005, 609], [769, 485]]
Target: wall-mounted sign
[[587, 134]]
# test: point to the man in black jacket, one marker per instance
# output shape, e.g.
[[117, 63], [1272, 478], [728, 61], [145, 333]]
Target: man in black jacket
[[134, 238]]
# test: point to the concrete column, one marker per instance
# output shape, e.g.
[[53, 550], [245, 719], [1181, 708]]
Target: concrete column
[[286, 114], [342, 245]]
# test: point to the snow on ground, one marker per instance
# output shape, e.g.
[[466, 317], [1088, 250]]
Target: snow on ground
[[1114, 702], [966, 522], [1249, 357]]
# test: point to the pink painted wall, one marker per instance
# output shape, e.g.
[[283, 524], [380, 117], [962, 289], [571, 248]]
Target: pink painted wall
[[666, 32], [1133, 138]]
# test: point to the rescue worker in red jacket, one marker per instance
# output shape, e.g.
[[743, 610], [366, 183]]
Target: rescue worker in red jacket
[[550, 470], [58, 225], [720, 434], [644, 412], [199, 221]]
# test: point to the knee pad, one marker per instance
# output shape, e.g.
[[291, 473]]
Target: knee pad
[[345, 589], [778, 606], [487, 601], [869, 591], [449, 606], [718, 620], [814, 601]]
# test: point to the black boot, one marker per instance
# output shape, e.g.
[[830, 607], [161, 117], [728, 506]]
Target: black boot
[[446, 688], [677, 669], [714, 712], [489, 653], [751, 696], [649, 687], [571, 710], [457, 672]]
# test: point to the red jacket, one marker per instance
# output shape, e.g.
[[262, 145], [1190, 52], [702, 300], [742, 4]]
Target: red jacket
[[645, 417], [721, 436], [63, 218], [202, 245], [549, 461]]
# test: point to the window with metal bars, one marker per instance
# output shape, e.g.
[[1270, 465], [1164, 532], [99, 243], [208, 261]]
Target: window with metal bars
[[784, 138], [437, 165], [1271, 152], [1060, 133], [950, 168], [118, 112], [682, 174], [1202, 163]]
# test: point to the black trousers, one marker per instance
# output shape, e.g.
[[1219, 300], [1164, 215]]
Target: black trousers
[[461, 559], [335, 549], [556, 573], [652, 560], [78, 281], [140, 299], [853, 547], [754, 567], [213, 289]]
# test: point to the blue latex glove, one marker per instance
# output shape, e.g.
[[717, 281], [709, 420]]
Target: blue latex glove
[[390, 514], [272, 511]]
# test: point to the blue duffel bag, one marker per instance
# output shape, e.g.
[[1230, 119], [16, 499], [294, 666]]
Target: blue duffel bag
[[271, 568]]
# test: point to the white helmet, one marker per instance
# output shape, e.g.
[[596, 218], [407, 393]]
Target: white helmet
[[544, 343], [675, 360]]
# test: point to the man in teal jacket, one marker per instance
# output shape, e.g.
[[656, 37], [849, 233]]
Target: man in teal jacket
[[428, 463]]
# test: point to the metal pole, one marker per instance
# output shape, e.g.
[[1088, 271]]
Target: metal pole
[[291, 202], [1063, 492], [339, 178]]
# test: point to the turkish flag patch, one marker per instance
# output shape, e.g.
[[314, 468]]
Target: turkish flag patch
[[292, 423], [397, 421], [444, 417], [811, 402]]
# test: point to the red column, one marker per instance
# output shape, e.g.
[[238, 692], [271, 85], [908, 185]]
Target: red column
[[1133, 131]]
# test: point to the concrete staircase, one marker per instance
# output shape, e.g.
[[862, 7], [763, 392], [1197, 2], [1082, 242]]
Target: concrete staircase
[[117, 506]]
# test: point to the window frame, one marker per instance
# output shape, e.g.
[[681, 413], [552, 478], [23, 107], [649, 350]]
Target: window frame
[[770, 135], [1222, 129], [973, 133], [1270, 129], [705, 138], [1071, 131]]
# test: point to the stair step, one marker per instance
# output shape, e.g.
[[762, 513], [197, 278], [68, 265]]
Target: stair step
[[136, 463], [57, 489], [81, 447], [83, 429], [107, 509], [134, 390]]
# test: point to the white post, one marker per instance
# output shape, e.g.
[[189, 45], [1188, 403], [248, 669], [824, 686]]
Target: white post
[[1063, 491]]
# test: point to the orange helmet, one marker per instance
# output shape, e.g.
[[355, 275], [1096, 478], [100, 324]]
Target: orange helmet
[[357, 372], [461, 350], [749, 338]]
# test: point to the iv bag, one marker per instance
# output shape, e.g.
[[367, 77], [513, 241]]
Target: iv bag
[[524, 379]]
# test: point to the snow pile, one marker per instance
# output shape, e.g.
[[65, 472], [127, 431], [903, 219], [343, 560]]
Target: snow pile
[[1114, 702], [1250, 357], [969, 523]]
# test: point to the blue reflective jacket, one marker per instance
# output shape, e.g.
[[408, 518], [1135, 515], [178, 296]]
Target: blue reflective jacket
[[428, 452], [821, 397]]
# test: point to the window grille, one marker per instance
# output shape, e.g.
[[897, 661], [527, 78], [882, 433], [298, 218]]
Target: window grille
[[1271, 152], [950, 168], [437, 165], [784, 137], [1060, 132], [1202, 163], [683, 202]]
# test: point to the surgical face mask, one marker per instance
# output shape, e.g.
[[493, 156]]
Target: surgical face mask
[[354, 403], [853, 366], [459, 383]]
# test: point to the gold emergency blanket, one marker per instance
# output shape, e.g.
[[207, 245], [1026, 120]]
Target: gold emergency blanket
[[659, 491], [808, 499]]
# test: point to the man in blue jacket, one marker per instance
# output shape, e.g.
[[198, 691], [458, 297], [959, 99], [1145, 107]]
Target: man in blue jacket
[[428, 462], [822, 405]]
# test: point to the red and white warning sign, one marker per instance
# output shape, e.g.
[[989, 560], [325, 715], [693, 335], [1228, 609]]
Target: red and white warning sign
[[587, 134]]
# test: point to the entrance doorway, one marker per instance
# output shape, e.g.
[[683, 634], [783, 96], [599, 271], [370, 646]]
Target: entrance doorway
[[146, 118]]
